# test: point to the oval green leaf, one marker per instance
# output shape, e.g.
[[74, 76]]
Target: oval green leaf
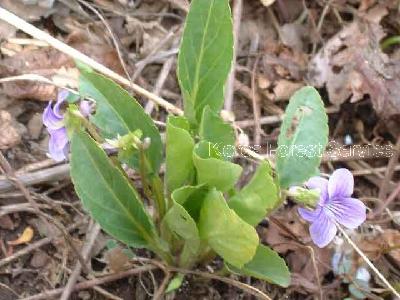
[[181, 223], [205, 56], [213, 171], [179, 157], [266, 265], [303, 138], [108, 196], [255, 200], [225, 232], [214, 130], [118, 113]]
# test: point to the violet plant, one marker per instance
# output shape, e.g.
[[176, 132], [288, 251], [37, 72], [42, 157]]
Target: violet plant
[[199, 211]]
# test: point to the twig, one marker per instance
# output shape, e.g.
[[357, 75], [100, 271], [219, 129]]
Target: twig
[[87, 248], [274, 21], [21, 24], [256, 107], [18, 184], [93, 282], [314, 262], [355, 165], [4, 286], [160, 291], [319, 25], [368, 262], [139, 66], [36, 166], [28, 249], [56, 173], [19, 207], [110, 32], [383, 191], [162, 77], [37, 78], [381, 207], [268, 120], [166, 68], [243, 286], [230, 85], [372, 171]]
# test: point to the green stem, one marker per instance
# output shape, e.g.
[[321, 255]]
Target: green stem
[[163, 254], [156, 192], [89, 126], [143, 174], [390, 41]]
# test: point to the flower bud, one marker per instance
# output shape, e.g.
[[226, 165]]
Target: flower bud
[[304, 196]]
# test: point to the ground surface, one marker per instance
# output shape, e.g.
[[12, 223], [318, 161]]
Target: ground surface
[[339, 46]]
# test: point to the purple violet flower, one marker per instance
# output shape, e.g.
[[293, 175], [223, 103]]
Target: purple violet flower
[[53, 119], [335, 205]]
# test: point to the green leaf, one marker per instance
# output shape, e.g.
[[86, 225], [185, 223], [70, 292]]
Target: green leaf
[[181, 223], [179, 161], [107, 195], [175, 283], [225, 232], [205, 56], [117, 113], [213, 171], [303, 138], [191, 198], [257, 198], [266, 265], [213, 129]]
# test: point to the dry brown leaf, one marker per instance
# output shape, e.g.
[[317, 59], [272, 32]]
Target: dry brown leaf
[[304, 284], [292, 34], [284, 89], [26, 11], [117, 259], [387, 242], [281, 240], [44, 61], [392, 240], [6, 222], [372, 248], [9, 136], [52, 64], [24, 238], [6, 30], [181, 4], [352, 65], [39, 259]]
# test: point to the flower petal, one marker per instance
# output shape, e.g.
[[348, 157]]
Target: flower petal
[[341, 184], [86, 107], [309, 215], [349, 212], [58, 144], [50, 119], [321, 184], [323, 230], [61, 97]]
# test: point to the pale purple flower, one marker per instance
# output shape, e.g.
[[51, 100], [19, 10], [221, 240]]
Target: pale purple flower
[[53, 119], [335, 206]]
